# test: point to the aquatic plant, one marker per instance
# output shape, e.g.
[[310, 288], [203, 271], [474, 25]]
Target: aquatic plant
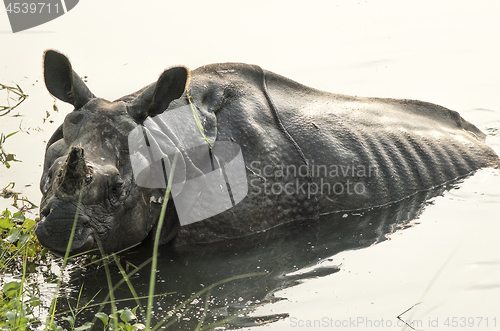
[[15, 94], [20, 253], [22, 259], [5, 157]]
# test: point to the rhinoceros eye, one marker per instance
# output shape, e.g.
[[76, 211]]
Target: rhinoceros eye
[[89, 175], [116, 189]]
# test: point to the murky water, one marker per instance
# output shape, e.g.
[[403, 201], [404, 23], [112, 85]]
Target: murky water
[[326, 274]]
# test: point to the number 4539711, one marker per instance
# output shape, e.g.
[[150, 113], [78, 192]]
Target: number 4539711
[[33, 7]]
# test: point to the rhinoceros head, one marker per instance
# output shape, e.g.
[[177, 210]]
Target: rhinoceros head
[[87, 173]]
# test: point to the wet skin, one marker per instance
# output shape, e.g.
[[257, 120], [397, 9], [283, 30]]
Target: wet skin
[[307, 153]]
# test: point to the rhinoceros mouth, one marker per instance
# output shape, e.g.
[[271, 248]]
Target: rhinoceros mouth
[[54, 232]]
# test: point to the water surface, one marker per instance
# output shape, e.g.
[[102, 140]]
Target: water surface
[[325, 273]]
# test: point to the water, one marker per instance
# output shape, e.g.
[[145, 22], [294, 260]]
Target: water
[[446, 256]]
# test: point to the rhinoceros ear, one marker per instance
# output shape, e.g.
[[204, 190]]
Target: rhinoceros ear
[[156, 98], [62, 82]]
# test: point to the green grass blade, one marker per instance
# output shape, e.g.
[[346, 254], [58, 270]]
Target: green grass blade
[[197, 120], [156, 243], [112, 300], [127, 280], [202, 319]]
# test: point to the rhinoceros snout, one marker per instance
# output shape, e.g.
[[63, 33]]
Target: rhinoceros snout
[[55, 227]]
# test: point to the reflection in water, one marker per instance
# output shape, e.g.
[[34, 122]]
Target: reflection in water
[[284, 256]]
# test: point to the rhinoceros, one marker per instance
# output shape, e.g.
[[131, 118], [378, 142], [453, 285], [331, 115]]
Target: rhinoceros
[[302, 153]]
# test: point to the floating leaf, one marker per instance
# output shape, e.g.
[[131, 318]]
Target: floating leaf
[[12, 289], [85, 326], [18, 216], [139, 326], [70, 319], [11, 316], [103, 317], [23, 239], [55, 327], [14, 236], [28, 224], [34, 302], [6, 223], [127, 316]]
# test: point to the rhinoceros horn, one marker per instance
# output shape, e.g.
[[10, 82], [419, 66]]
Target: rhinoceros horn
[[62, 82], [73, 173]]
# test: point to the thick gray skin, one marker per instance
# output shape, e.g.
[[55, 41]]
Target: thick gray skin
[[404, 147]]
